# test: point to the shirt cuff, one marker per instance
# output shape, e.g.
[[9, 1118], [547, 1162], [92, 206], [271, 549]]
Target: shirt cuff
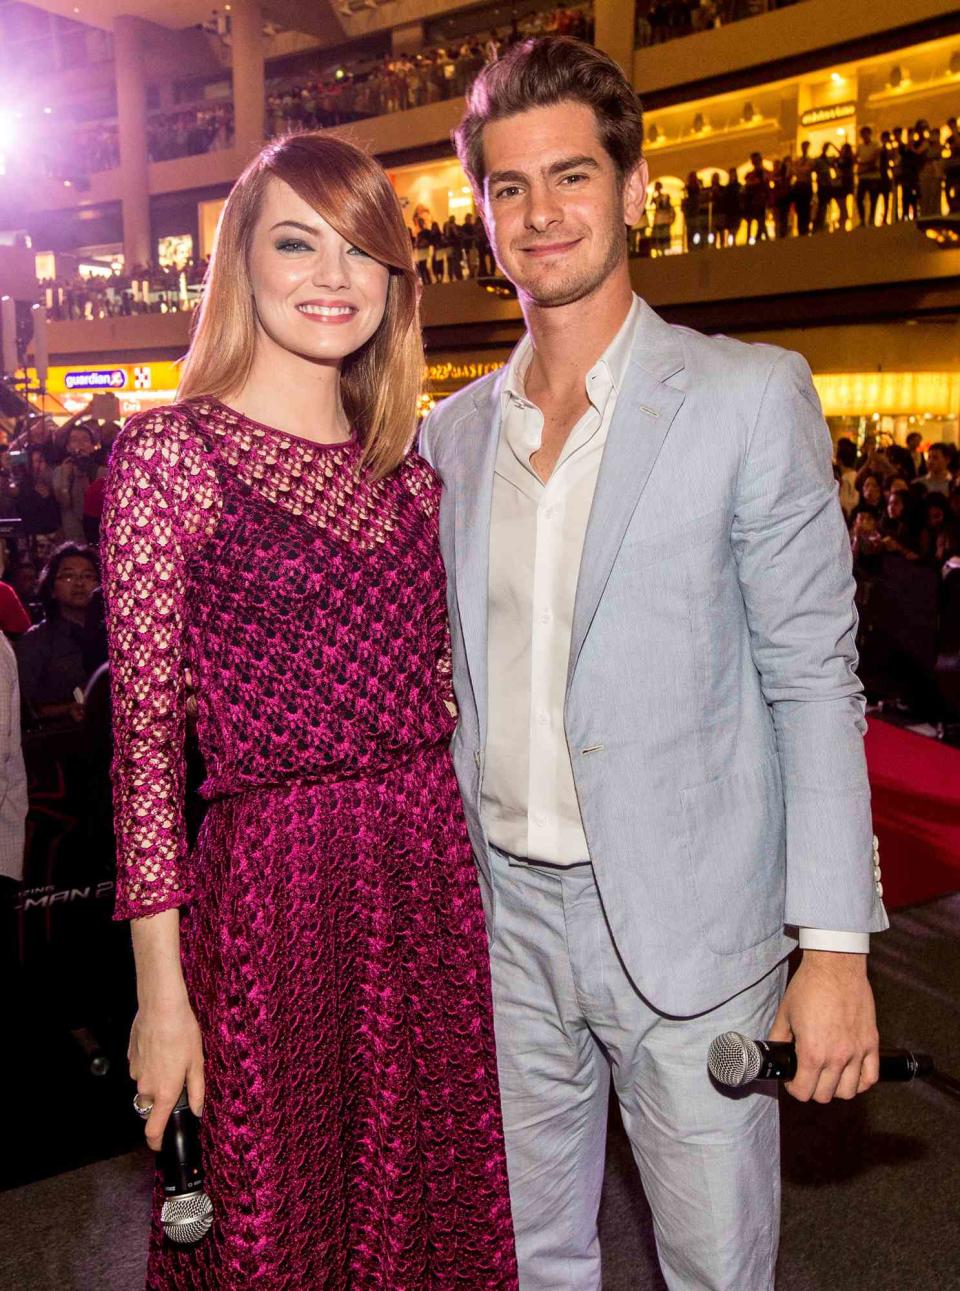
[[850, 943]]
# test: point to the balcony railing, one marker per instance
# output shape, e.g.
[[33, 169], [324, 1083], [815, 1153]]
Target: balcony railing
[[662, 20], [322, 97], [703, 220]]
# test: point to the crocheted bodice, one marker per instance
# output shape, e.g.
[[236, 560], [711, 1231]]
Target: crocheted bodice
[[302, 601]]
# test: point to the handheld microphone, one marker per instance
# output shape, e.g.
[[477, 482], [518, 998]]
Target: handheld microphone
[[736, 1060], [187, 1211]]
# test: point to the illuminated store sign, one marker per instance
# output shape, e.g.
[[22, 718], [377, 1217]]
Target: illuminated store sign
[[823, 116], [101, 379], [461, 371], [133, 379]]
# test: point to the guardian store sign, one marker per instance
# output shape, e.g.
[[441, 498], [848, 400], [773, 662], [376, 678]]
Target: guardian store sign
[[136, 385], [101, 379]]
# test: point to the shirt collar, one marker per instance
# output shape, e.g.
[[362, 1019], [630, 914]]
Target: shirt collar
[[611, 365]]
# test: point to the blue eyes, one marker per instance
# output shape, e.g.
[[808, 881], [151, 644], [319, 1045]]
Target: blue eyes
[[567, 181], [296, 245]]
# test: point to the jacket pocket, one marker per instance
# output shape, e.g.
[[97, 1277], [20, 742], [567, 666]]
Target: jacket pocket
[[734, 831]]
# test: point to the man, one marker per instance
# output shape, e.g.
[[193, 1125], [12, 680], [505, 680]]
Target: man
[[828, 185], [868, 175], [659, 744], [938, 478], [918, 463]]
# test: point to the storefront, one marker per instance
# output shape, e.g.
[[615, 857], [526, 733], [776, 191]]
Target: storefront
[[432, 191], [889, 406], [136, 386], [448, 373]]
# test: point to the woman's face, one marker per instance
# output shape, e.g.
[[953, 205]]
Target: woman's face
[[870, 491], [936, 518], [895, 506], [315, 295]]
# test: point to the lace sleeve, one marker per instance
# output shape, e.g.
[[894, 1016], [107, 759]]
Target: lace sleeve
[[423, 483], [162, 496]]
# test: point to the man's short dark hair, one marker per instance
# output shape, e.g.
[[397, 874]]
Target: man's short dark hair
[[846, 453], [541, 73], [51, 569]]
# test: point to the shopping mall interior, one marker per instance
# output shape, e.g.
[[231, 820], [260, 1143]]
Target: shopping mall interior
[[804, 192]]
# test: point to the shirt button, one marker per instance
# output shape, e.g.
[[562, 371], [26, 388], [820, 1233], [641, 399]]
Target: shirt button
[[550, 512], [543, 719], [545, 616]]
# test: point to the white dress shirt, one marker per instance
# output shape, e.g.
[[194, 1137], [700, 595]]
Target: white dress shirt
[[528, 797]]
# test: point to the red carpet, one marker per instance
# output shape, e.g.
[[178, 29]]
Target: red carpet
[[916, 813]]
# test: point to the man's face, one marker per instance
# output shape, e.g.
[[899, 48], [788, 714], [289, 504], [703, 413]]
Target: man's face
[[79, 443], [936, 460], [75, 582], [552, 204]]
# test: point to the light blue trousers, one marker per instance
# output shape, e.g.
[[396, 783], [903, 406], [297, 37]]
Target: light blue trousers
[[567, 1016]]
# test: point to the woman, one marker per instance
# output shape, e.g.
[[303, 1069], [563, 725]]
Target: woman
[[896, 531], [664, 214], [271, 536], [37, 506], [938, 537], [871, 495]]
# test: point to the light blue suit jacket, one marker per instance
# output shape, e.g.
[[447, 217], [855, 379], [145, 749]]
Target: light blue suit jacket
[[713, 716]]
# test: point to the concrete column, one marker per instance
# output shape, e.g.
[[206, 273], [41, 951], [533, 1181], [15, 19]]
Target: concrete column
[[614, 22], [131, 79], [408, 38], [246, 46]]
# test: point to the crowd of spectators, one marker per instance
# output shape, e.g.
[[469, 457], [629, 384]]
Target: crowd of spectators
[[363, 88], [903, 174], [662, 20], [404, 81], [186, 132], [145, 290], [903, 511], [453, 252], [51, 499]]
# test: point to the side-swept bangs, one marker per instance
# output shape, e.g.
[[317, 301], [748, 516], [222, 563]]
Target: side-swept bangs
[[380, 383]]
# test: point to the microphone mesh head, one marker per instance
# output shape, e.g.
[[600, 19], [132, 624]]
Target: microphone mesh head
[[734, 1060], [187, 1218]]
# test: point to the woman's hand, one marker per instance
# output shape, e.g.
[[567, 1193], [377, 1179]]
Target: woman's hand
[[166, 1053]]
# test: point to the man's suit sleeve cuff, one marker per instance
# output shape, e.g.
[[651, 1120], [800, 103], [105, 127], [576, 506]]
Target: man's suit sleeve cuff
[[850, 943]]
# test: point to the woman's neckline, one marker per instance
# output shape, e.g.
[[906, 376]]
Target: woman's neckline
[[275, 430]]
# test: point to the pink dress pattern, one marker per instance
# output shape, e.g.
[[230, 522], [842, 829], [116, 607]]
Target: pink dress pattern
[[331, 926]]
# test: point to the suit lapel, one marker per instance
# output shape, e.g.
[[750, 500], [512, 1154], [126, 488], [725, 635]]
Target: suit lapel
[[645, 410], [477, 441]]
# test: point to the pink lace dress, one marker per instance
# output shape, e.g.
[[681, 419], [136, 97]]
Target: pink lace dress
[[332, 931]]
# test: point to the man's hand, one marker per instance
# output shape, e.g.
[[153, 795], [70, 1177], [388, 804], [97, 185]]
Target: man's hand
[[828, 1011]]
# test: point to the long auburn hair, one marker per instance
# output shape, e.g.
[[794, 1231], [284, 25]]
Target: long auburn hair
[[380, 382]]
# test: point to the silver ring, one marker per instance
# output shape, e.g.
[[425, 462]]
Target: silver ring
[[142, 1112]]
